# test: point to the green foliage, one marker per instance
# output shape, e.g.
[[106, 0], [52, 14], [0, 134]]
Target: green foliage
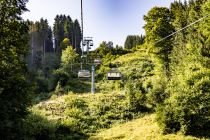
[[133, 41], [85, 113], [156, 90], [59, 90], [68, 56], [60, 76], [106, 49], [15, 90], [136, 96], [65, 43], [38, 127], [40, 42], [188, 106], [180, 20], [158, 26], [179, 89], [63, 28], [65, 74], [204, 30], [171, 77]]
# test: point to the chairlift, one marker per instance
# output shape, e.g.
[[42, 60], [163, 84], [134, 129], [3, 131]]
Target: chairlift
[[97, 61], [114, 74], [84, 74], [84, 56], [91, 44]]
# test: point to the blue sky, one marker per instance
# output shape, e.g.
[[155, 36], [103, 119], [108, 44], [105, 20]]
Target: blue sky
[[104, 20]]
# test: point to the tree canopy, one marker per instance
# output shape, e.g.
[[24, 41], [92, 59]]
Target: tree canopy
[[14, 88]]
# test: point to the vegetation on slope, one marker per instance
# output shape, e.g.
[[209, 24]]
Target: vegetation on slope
[[170, 77], [142, 128], [81, 114]]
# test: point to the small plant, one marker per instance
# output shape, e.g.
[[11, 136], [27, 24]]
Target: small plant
[[59, 90]]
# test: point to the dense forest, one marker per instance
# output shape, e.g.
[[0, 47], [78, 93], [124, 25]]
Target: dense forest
[[165, 77]]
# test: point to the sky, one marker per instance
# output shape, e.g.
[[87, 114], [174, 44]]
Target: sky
[[104, 20]]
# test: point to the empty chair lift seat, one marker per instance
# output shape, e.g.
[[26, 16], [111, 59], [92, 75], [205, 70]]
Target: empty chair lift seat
[[97, 62], [84, 74], [113, 74]]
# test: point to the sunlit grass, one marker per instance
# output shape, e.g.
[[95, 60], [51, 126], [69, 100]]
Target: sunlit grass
[[144, 128]]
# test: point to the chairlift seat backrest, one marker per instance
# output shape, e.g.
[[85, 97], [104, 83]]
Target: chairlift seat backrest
[[84, 56], [113, 74], [97, 61], [84, 74]]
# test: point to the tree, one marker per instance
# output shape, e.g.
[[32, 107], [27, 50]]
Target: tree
[[195, 13], [58, 31], [180, 13], [64, 27], [179, 21], [40, 43], [133, 40], [105, 48], [65, 43], [77, 37], [14, 90], [204, 30], [187, 107], [68, 28], [68, 57], [158, 26]]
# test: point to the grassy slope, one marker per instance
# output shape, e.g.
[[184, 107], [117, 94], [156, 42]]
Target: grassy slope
[[56, 108], [144, 128], [140, 129]]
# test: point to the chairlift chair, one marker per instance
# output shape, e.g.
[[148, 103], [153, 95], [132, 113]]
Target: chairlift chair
[[97, 62], [84, 56], [114, 74], [84, 74]]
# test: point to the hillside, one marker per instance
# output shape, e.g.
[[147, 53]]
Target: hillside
[[114, 112], [107, 119]]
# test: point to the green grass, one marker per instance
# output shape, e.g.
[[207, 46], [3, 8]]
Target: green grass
[[85, 112], [102, 116], [144, 128]]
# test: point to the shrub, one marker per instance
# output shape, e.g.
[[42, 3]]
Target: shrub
[[38, 127], [156, 90], [59, 90], [60, 76], [187, 110], [136, 96]]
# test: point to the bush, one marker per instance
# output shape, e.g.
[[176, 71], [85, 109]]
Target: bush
[[59, 90], [60, 76], [136, 96], [38, 127], [187, 110], [156, 90]]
